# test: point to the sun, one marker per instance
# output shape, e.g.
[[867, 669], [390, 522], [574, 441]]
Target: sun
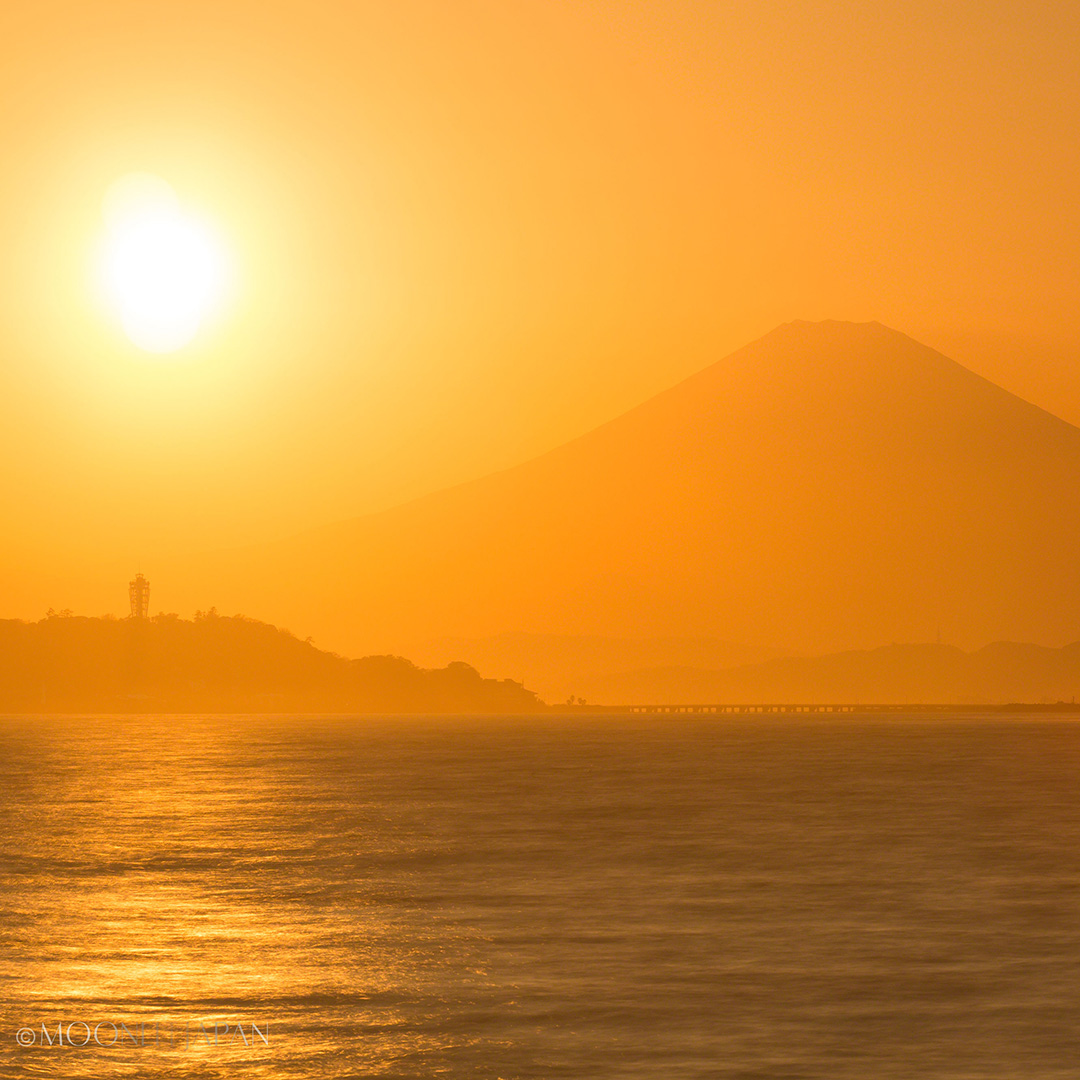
[[162, 269]]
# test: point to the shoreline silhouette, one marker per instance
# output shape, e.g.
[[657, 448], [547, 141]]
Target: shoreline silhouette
[[68, 663]]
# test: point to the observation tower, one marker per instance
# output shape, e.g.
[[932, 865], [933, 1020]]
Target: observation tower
[[139, 594]]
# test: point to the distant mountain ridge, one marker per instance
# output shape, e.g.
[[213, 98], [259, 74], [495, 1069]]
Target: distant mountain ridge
[[997, 674], [828, 486]]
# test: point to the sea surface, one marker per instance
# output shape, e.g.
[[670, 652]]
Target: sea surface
[[625, 897]]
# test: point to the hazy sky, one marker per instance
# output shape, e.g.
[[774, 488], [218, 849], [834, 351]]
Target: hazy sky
[[465, 232]]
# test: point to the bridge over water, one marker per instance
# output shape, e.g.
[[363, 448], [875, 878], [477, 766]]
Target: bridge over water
[[729, 709]]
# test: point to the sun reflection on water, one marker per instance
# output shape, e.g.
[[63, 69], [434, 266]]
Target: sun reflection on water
[[170, 881]]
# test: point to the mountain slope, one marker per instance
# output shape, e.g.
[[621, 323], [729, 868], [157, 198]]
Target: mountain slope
[[830, 485]]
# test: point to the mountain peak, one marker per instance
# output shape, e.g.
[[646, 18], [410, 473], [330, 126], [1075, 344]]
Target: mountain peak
[[811, 324], [841, 334]]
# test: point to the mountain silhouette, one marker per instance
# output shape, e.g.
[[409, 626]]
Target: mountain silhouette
[[832, 485], [996, 674]]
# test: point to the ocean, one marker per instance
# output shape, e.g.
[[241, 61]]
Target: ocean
[[596, 898]]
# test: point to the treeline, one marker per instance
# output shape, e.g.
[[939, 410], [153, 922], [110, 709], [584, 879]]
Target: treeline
[[215, 663]]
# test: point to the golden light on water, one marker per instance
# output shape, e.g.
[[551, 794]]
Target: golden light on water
[[162, 269]]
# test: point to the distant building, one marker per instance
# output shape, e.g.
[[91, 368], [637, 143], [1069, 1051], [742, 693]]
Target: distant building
[[139, 594]]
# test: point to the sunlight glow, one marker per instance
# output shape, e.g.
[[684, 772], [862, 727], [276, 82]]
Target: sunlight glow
[[162, 269]]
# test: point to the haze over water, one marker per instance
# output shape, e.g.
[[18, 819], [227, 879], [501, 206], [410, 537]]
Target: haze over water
[[617, 897]]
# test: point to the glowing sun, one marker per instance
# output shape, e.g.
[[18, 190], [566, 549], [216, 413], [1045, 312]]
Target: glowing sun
[[162, 269]]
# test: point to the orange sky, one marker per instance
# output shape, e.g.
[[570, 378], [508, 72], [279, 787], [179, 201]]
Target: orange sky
[[467, 232]]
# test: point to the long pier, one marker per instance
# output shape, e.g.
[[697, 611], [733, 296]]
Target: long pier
[[705, 709], [734, 709]]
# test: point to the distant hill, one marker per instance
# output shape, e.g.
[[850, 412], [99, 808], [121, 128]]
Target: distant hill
[[832, 485], [217, 664], [893, 674], [558, 666]]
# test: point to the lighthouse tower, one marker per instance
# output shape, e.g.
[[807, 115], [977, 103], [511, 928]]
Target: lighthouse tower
[[139, 594]]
